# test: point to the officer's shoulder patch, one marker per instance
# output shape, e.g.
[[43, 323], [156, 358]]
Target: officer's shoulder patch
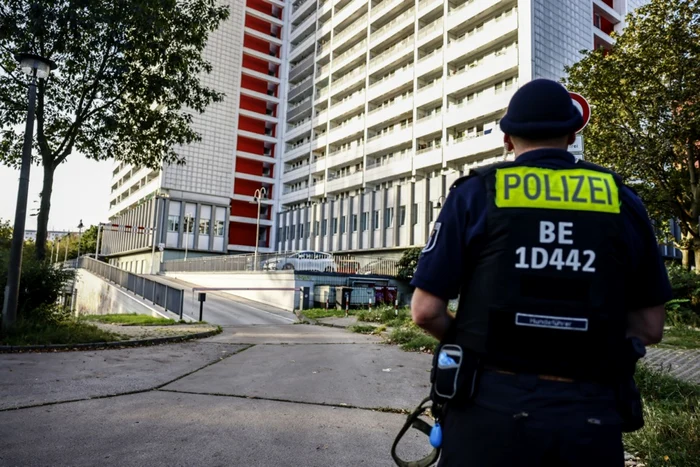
[[432, 241]]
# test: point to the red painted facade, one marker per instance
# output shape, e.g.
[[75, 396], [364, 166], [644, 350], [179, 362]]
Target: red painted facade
[[255, 58]]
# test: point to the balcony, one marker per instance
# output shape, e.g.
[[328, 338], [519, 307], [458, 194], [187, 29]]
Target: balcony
[[257, 136], [263, 16], [322, 72], [296, 174], [428, 158], [389, 139], [292, 196], [254, 178], [345, 156], [611, 14], [487, 104], [389, 169], [389, 111], [426, 6], [300, 88], [390, 83], [430, 32], [299, 110], [477, 41], [349, 55], [319, 142], [304, 46], [342, 15], [394, 26], [298, 129], [303, 27], [348, 80], [430, 62], [258, 116], [262, 56], [428, 125], [264, 36], [301, 67], [466, 147], [256, 157], [300, 7], [343, 132], [343, 183], [297, 151], [321, 118], [383, 8], [470, 9], [259, 95], [490, 69], [360, 24], [317, 189], [347, 105], [260, 76], [429, 93], [392, 55], [602, 36], [325, 7]]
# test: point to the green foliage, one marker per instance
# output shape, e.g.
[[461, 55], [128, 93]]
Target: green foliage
[[5, 234], [87, 242], [408, 263], [127, 85], [362, 328], [672, 421], [412, 338], [41, 285], [318, 313], [63, 332], [130, 319], [684, 309], [681, 337], [384, 315], [645, 122]]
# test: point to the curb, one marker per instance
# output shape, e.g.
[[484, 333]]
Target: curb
[[102, 345]]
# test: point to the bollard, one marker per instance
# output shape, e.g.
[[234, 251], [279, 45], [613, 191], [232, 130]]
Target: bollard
[[347, 304], [202, 298], [326, 303], [369, 304], [396, 307]]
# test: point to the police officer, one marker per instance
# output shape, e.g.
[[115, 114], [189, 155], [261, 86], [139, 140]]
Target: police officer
[[556, 267]]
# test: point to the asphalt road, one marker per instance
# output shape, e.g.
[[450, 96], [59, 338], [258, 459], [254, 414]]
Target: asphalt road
[[228, 310]]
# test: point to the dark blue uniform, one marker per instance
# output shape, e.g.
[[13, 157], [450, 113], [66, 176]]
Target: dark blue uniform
[[519, 419]]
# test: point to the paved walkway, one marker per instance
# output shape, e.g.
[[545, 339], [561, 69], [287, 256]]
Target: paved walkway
[[261, 395], [683, 364]]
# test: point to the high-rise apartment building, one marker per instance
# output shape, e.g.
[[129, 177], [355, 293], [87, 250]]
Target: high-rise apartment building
[[354, 115]]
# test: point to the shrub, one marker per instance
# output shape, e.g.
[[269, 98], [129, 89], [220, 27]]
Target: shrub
[[408, 263], [410, 337]]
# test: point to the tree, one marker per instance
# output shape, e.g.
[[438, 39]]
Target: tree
[[645, 122], [88, 242], [126, 87], [408, 263]]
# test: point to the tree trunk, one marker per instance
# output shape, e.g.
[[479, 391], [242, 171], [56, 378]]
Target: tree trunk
[[685, 255], [42, 221], [696, 250]]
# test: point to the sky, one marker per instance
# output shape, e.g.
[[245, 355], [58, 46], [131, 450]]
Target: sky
[[80, 191]]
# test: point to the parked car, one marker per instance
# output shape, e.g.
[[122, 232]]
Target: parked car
[[382, 267], [303, 261]]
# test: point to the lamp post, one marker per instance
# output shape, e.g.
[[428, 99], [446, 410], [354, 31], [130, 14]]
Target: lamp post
[[37, 68], [258, 196], [440, 202], [80, 234], [188, 219]]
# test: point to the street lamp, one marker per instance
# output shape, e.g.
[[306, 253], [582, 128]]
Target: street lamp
[[439, 203], [188, 219], [258, 196], [80, 234], [157, 233], [37, 68]]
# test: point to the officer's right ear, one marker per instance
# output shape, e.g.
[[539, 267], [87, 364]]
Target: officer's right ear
[[508, 143]]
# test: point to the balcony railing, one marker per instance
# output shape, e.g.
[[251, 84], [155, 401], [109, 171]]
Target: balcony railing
[[379, 59], [353, 28], [389, 160], [391, 104], [300, 83], [395, 21], [437, 24], [351, 50], [348, 77], [298, 4], [298, 104]]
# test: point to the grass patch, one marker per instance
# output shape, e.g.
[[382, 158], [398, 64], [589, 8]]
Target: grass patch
[[412, 338], [65, 332], [131, 319], [384, 315], [318, 313], [672, 421], [681, 337], [362, 328]]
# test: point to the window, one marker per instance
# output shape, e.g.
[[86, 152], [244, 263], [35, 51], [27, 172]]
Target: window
[[324, 227], [354, 223], [342, 225], [301, 231], [279, 234], [402, 216], [308, 229], [292, 229], [173, 223], [189, 224], [414, 214], [219, 228], [334, 222], [375, 219], [363, 221], [431, 210], [316, 228], [204, 226], [388, 217]]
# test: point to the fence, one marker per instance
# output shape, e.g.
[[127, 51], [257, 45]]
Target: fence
[[298, 261], [170, 298]]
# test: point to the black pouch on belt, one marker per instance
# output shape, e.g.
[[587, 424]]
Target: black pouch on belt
[[454, 375]]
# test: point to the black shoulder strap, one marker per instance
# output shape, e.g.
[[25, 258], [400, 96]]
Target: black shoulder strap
[[414, 422]]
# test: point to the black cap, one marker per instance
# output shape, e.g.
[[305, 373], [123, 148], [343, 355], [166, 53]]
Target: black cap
[[541, 109]]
